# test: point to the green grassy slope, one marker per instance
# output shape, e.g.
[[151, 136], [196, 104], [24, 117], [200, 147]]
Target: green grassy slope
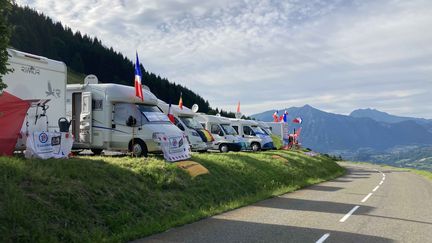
[[74, 77], [118, 199]]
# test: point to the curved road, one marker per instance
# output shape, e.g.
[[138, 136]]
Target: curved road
[[368, 204]]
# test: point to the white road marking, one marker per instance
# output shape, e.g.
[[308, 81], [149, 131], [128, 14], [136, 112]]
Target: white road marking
[[367, 197], [348, 214], [376, 188], [323, 238], [383, 178], [381, 182]]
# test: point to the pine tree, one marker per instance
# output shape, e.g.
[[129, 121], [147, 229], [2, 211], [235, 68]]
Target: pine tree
[[5, 7]]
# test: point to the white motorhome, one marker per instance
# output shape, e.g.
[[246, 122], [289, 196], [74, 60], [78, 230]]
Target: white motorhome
[[185, 119], [279, 129], [42, 82], [225, 137], [111, 117], [265, 127], [256, 139]]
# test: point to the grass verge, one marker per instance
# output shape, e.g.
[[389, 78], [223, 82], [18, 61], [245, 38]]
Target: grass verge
[[102, 199], [277, 141]]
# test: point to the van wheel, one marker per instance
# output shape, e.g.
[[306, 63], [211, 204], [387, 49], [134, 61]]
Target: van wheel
[[256, 147], [138, 148], [97, 151], [223, 148]]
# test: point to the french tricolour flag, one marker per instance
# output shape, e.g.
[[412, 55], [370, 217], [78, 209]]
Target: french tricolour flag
[[138, 76], [297, 120]]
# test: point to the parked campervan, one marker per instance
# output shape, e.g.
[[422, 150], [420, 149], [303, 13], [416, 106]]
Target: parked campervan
[[111, 117], [225, 137], [265, 127], [42, 82], [255, 138], [185, 119], [279, 129]]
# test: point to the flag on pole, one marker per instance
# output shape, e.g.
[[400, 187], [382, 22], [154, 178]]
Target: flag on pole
[[285, 116], [181, 101], [138, 76], [238, 107], [276, 116], [170, 116], [297, 120]]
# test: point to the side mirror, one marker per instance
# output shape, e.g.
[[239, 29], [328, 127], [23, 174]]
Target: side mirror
[[131, 121], [221, 133]]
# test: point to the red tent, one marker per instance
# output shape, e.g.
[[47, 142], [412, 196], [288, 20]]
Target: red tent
[[12, 113]]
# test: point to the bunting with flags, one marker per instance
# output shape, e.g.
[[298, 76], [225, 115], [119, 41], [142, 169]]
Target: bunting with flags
[[138, 77]]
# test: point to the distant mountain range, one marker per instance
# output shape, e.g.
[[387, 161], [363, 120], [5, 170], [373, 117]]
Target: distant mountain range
[[365, 132]]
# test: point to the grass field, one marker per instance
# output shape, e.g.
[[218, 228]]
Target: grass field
[[74, 77], [116, 199]]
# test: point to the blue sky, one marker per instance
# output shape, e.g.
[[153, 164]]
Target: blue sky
[[334, 55]]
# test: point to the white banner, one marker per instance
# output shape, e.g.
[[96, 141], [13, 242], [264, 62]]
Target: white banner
[[174, 148], [45, 145]]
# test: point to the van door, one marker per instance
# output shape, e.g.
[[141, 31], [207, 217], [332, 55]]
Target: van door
[[85, 135], [76, 113]]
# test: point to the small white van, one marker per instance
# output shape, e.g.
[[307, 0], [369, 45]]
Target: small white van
[[185, 119], [255, 138], [225, 137], [42, 82], [279, 129], [265, 127], [111, 117]]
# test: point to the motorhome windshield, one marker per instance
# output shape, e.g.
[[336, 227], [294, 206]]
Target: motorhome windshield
[[266, 130], [152, 113], [229, 130], [258, 130], [191, 123]]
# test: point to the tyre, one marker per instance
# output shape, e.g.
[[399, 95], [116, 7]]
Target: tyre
[[97, 151], [138, 148], [223, 148], [255, 147]]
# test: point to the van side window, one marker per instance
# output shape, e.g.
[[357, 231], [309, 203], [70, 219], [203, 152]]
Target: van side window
[[247, 130], [236, 128], [215, 129], [122, 112]]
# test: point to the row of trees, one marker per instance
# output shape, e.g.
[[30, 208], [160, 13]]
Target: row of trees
[[36, 33], [4, 39]]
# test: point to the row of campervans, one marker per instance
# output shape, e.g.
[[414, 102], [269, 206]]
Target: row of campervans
[[110, 116]]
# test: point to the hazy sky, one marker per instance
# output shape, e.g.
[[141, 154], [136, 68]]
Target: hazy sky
[[334, 55]]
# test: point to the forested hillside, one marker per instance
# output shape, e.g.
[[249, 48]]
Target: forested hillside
[[36, 33]]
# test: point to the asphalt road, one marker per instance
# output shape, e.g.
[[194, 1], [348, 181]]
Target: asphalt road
[[369, 204]]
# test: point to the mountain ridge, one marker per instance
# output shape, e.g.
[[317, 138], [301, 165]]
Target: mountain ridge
[[335, 133]]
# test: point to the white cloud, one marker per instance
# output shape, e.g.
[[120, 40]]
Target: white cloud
[[336, 55]]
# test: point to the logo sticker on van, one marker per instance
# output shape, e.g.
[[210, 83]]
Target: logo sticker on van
[[52, 92], [30, 70]]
